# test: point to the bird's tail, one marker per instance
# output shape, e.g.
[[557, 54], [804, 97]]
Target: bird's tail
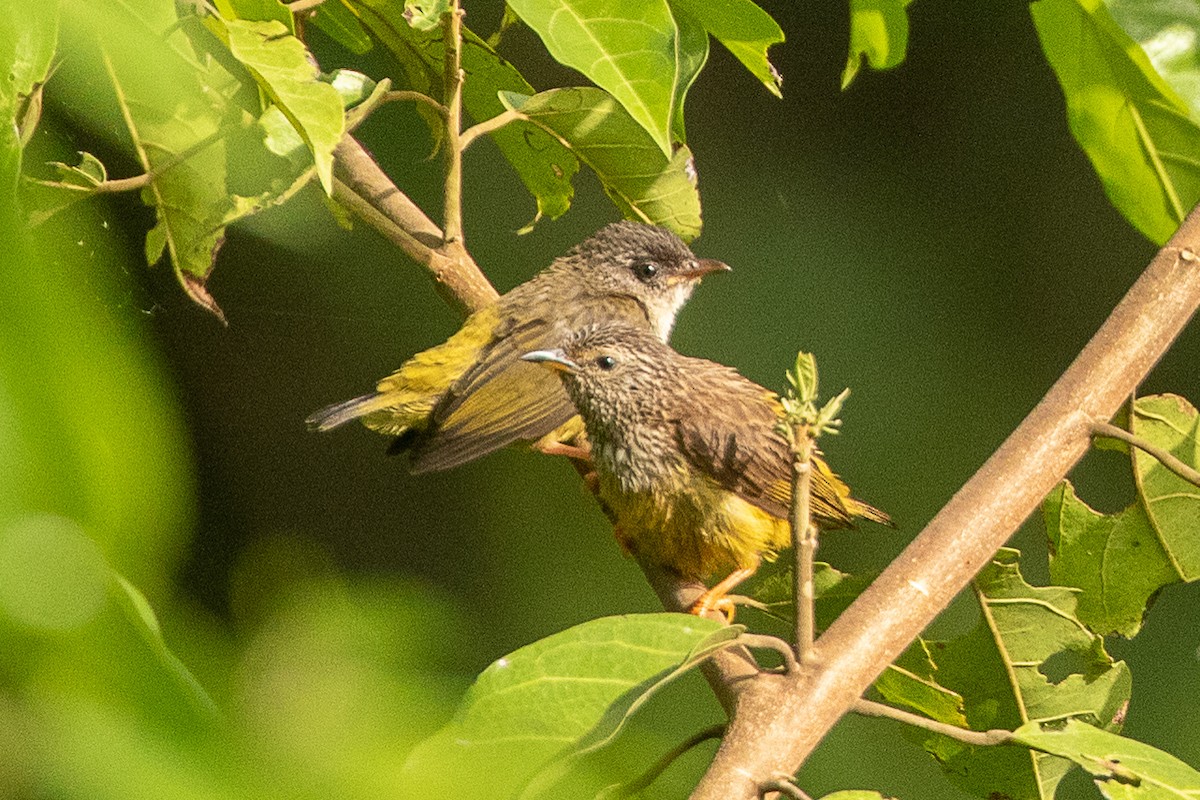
[[337, 414], [869, 512]]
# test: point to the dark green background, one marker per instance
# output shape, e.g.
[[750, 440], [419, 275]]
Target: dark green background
[[934, 235]]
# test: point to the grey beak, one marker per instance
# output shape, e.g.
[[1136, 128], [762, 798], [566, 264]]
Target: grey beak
[[706, 265], [552, 359]]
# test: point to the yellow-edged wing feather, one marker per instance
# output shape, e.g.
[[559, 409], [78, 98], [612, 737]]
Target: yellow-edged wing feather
[[753, 461]]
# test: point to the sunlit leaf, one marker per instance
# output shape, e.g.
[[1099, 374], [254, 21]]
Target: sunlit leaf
[[643, 183], [257, 11], [1123, 769], [878, 34], [28, 37], [1130, 123], [1029, 659], [564, 692], [1120, 560], [745, 29], [630, 48], [425, 15], [280, 62]]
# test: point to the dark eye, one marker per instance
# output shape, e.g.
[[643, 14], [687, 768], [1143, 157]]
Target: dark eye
[[606, 362], [645, 270]]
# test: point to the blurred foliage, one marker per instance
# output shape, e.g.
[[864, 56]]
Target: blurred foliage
[[171, 543]]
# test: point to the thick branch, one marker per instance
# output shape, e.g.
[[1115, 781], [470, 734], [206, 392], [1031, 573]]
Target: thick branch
[[779, 723]]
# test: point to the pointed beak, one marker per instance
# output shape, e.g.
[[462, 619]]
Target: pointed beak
[[704, 266], [552, 359]]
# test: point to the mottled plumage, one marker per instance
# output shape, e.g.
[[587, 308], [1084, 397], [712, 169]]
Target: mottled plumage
[[472, 394], [687, 455]]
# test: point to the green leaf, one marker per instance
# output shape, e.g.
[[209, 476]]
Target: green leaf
[[28, 39], [912, 682], [1120, 560], [175, 123], [1168, 31], [141, 616], [1130, 123], [340, 24], [280, 63], [425, 15], [44, 199], [878, 33], [257, 11], [630, 48], [1123, 768], [745, 29], [568, 691], [803, 377], [543, 164], [1029, 659], [643, 183]]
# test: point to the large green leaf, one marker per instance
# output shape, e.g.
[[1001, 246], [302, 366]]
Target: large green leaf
[[280, 63], [1124, 769], [542, 163], [631, 48], [643, 183], [745, 29], [1120, 560], [878, 33], [1029, 659], [567, 693], [1132, 125]]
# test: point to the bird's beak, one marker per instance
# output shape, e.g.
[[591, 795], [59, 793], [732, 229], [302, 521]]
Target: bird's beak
[[704, 266], [552, 359]]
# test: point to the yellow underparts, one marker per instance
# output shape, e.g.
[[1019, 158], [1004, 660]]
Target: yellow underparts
[[696, 527]]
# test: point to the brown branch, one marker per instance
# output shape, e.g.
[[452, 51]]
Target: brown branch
[[366, 190], [778, 722]]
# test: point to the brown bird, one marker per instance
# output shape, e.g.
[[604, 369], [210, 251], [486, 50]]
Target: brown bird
[[688, 458], [472, 394]]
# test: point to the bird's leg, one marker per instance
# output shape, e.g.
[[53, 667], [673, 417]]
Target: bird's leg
[[569, 450], [716, 599]]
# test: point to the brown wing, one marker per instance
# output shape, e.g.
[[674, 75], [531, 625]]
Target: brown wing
[[499, 401], [739, 448]]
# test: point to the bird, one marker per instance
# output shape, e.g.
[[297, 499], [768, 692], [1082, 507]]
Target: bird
[[471, 395], [688, 459]]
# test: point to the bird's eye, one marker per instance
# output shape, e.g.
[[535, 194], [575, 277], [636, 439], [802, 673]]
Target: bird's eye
[[645, 270], [606, 362]]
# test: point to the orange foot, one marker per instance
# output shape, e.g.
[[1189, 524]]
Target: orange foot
[[716, 599], [569, 450]]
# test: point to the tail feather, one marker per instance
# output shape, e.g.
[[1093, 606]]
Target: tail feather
[[869, 512], [337, 414]]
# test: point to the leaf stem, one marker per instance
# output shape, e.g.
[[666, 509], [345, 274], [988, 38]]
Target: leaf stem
[[487, 126], [760, 641], [300, 6], [869, 708], [452, 38], [1163, 457]]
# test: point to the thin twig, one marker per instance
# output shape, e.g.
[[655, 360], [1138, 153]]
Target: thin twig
[[804, 542], [452, 30], [783, 786], [643, 781], [869, 708], [487, 126], [405, 95], [779, 722], [356, 115], [1163, 457], [762, 642]]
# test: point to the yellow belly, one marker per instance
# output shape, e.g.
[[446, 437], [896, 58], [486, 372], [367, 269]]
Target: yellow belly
[[695, 527]]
